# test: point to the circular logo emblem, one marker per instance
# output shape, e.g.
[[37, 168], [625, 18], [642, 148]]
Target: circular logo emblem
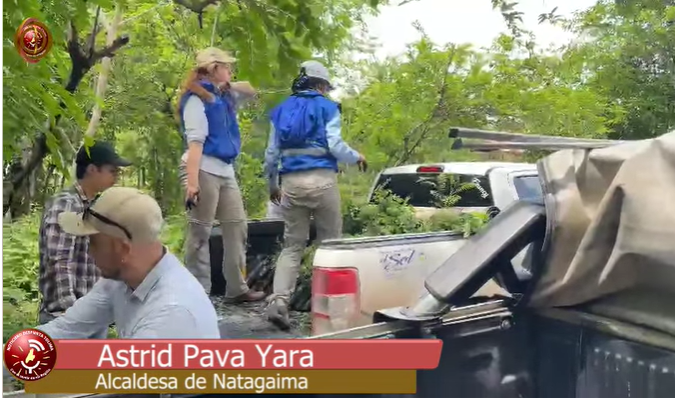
[[30, 355], [33, 40]]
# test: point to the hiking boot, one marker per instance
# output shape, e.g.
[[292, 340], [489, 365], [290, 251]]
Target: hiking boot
[[248, 297], [277, 313], [216, 300]]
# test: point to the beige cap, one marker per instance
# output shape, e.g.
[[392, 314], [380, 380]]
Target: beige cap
[[121, 212], [212, 55]]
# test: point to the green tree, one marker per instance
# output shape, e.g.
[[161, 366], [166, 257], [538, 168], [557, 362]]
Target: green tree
[[44, 115], [627, 56], [404, 113]]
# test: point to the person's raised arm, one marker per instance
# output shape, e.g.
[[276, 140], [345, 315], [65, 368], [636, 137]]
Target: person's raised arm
[[89, 316], [338, 148], [196, 130], [242, 92]]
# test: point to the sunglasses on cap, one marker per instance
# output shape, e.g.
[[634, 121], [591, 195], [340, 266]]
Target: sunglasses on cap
[[88, 212]]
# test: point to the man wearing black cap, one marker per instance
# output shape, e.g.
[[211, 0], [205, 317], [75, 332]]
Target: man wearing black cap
[[67, 272]]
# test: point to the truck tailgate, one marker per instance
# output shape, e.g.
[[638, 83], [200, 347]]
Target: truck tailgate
[[390, 272]]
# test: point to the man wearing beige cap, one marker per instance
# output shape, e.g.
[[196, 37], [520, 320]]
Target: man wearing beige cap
[[207, 112], [145, 290]]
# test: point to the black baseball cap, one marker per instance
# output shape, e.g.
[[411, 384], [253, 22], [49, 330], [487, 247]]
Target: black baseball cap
[[101, 153]]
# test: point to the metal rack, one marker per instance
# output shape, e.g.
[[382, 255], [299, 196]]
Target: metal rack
[[497, 140]]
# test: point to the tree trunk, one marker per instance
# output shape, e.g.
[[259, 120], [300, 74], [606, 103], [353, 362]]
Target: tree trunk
[[106, 66]]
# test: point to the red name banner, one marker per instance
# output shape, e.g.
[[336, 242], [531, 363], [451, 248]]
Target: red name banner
[[248, 354]]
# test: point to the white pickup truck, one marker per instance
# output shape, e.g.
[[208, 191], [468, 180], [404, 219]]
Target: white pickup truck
[[352, 278]]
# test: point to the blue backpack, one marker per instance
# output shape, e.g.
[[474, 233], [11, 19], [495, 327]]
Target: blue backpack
[[298, 120]]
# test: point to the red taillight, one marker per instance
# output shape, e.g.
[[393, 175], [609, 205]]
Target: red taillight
[[335, 298], [330, 281], [429, 169]]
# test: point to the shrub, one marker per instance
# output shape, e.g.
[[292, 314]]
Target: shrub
[[20, 258], [387, 215]]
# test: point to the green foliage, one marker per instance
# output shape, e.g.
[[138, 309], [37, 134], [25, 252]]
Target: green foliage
[[307, 263], [173, 234], [270, 38], [33, 92], [253, 186], [447, 189], [388, 215], [629, 61], [404, 113], [20, 258]]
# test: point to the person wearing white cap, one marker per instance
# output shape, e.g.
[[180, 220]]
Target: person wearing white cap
[[145, 290], [207, 113], [304, 148]]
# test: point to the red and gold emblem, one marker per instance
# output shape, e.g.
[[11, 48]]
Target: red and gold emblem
[[33, 40], [30, 355]]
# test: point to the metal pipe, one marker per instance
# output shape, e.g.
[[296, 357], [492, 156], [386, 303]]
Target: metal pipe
[[499, 136], [547, 146], [385, 330]]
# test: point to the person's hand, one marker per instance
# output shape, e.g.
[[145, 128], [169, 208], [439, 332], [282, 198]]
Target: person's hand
[[362, 163], [275, 196], [244, 88], [191, 195]]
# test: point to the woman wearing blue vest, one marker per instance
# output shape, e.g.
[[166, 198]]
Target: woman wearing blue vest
[[304, 148], [207, 111]]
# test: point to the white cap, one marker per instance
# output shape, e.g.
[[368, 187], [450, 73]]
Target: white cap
[[317, 70]]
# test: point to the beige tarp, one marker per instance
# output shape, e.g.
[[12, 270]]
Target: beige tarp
[[613, 236]]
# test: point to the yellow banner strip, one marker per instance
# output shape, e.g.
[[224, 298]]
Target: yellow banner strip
[[226, 382]]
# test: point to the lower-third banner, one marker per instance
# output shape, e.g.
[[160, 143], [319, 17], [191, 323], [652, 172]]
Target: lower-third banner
[[226, 381]]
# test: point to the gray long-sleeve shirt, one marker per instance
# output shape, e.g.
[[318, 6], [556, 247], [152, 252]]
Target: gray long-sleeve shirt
[[169, 304]]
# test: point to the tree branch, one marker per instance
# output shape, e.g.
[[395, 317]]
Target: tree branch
[[436, 112], [197, 6], [106, 65], [109, 51], [91, 39]]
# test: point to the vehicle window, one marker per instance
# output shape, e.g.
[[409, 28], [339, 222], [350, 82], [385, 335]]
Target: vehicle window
[[419, 194], [528, 188]]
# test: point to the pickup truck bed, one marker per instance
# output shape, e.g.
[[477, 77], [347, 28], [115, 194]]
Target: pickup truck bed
[[264, 243], [244, 321], [567, 353]]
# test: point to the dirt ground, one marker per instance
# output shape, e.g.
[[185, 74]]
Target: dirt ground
[[248, 321]]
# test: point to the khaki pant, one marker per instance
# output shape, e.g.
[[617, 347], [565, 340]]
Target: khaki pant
[[306, 194], [220, 198]]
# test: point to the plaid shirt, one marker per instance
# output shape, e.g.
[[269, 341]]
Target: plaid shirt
[[67, 272]]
